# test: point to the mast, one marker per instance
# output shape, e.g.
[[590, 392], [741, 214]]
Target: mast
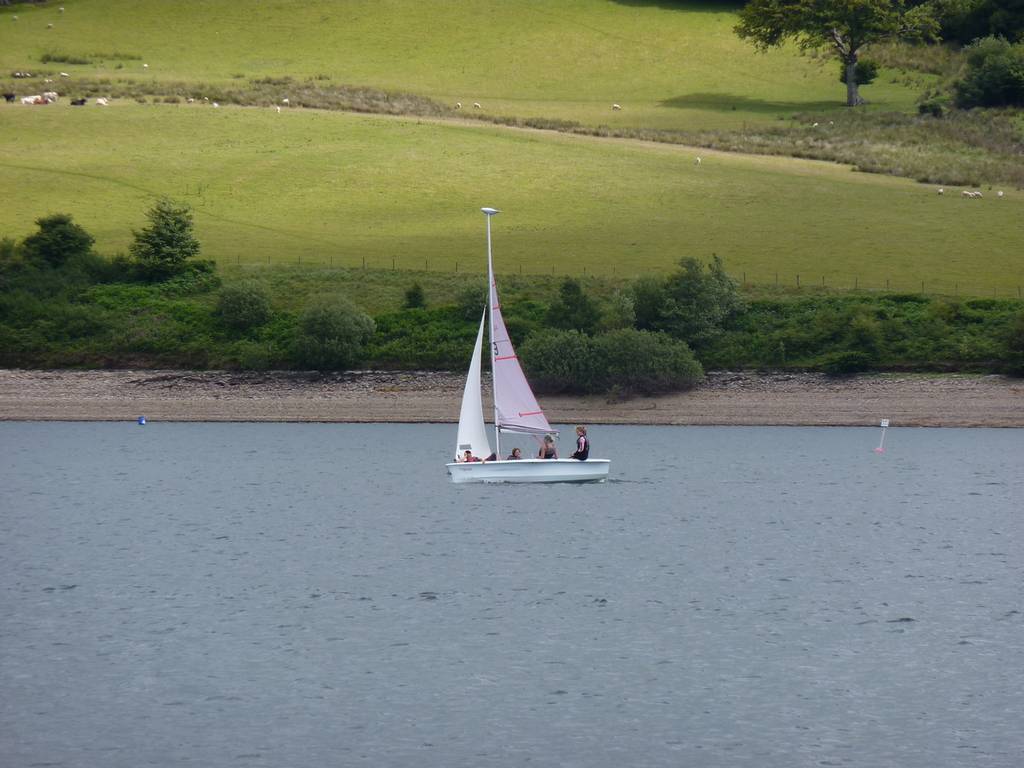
[[490, 320]]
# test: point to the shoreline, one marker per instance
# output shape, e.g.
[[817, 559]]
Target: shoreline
[[725, 398]]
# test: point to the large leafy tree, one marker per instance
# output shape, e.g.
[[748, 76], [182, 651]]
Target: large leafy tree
[[845, 26]]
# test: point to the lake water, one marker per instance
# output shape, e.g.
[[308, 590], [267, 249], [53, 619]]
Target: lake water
[[320, 595]]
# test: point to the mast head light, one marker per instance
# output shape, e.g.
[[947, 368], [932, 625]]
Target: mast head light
[[490, 211]]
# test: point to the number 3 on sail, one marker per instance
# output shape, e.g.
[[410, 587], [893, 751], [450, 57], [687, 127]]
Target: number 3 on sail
[[515, 411]]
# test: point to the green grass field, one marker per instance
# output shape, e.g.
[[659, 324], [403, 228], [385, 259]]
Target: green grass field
[[319, 188], [323, 188], [670, 66]]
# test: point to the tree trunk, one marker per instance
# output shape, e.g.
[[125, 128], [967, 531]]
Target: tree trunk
[[853, 98]]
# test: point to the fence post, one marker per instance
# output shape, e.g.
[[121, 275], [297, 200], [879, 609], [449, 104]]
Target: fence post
[[798, 281], [822, 281], [776, 279], [392, 263], [887, 283], [922, 286], [364, 262]]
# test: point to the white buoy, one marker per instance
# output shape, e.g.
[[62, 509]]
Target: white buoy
[[881, 443]]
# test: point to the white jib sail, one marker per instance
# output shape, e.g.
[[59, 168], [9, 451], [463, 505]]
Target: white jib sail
[[472, 432]]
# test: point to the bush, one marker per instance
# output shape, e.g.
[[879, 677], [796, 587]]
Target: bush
[[1014, 358], [692, 305], [626, 361], [561, 361], [332, 336], [414, 297], [243, 306], [995, 75], [641, 362], [845, 363], [573, 310], [57, 240], [470, 303]]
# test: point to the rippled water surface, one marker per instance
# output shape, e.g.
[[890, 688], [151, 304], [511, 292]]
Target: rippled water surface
[[320, 595]]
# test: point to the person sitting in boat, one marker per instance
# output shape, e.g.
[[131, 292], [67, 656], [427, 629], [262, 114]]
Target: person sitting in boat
[[468, 457], [492, 457], [582, 444], [516, 455], [547, 449]]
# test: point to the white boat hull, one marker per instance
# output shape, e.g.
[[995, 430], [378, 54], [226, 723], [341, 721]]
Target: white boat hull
[[531, 471]]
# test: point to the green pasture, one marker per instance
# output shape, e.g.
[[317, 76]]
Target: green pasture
[[316, 189], [669, 65]]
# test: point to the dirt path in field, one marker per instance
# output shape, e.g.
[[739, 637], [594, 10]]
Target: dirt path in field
[[725, 398]]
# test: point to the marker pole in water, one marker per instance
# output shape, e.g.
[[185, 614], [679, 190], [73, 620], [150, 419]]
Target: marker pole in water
[[881, 443]]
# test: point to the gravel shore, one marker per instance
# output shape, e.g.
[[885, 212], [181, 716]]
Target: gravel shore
[[425, 396]]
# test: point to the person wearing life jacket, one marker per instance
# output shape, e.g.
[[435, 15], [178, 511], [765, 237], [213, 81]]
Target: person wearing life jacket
[[547, 449], [582, 444]]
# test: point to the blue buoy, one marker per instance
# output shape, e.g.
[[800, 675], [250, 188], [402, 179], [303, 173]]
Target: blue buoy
[[142, 419]]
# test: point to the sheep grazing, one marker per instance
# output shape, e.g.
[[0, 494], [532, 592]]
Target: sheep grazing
[[285, 101], [77, 102], [191, 100], [50, 96], [64, 74], [102, 101], [814, 126], [145, 66], [458, 105], [278, 110], [49, 26], [476, 105], [942, 191], [697, 161], [9, 97], [61, 9], [215, 105], [616, 107], [999, 193]]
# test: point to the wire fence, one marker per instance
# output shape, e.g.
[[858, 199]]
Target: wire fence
[[783, 282]]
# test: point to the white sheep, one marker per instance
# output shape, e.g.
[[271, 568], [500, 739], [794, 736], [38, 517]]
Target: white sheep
[[191, 100], [965, 193], [101, 101], [476, 105], [942, 191], [999, 193], [145, 66], [285, 101], [458, 105], [616, 106], [697, 161], [64, 74], [278, 110], [215, 104]]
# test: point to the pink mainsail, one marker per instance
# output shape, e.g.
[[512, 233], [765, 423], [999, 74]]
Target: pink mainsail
[[515, 407]]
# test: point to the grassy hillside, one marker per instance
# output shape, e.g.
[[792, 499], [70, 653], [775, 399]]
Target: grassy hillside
[[331, 188], [670, 65]]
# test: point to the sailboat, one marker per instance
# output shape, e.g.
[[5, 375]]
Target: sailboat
[[515, 411]]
